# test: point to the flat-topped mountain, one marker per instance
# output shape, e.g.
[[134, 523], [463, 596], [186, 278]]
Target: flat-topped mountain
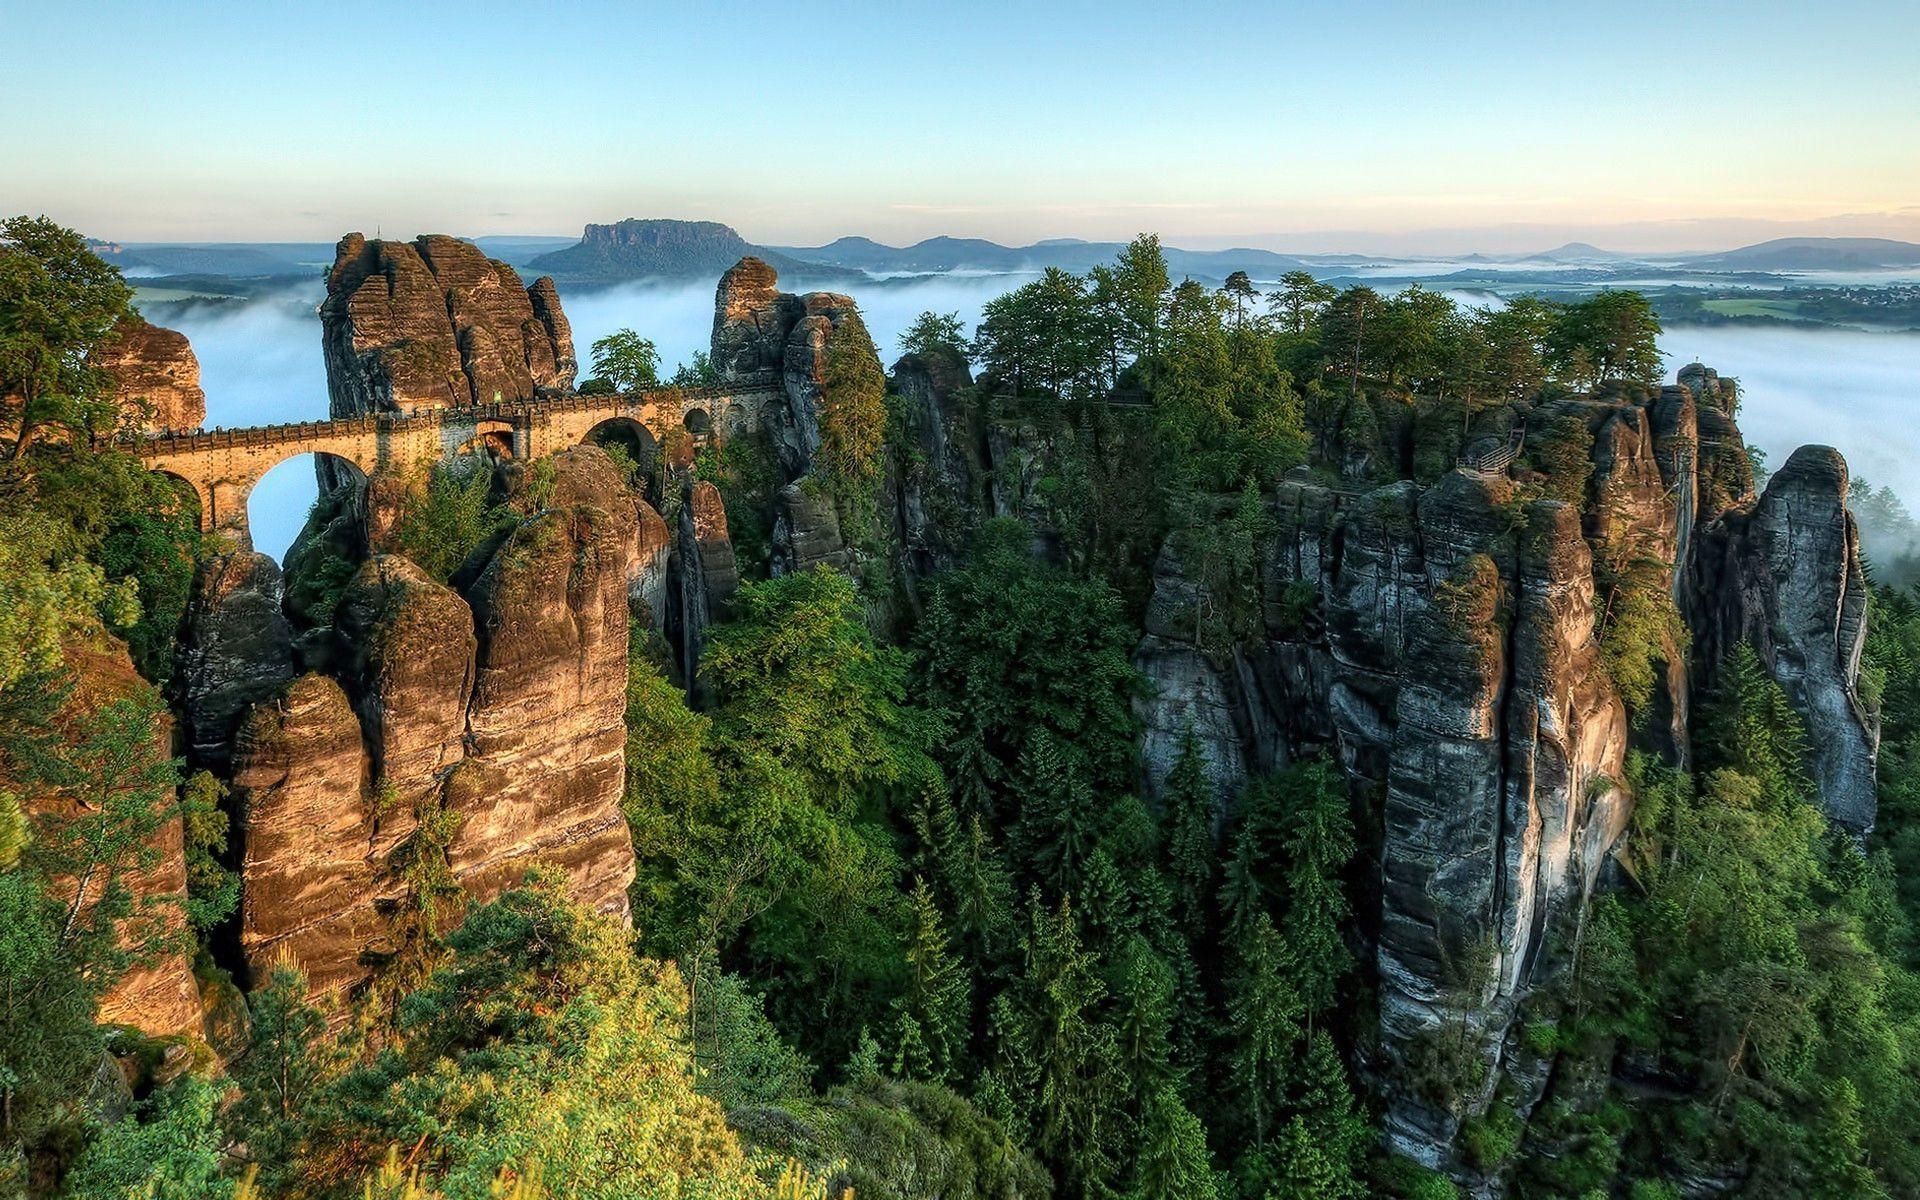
[[659, 248]]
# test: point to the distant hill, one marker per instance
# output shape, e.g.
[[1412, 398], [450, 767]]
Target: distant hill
[[1577, 252], [518, 250], [237, 260], [942, 254], [666, 249], [1813, 254]]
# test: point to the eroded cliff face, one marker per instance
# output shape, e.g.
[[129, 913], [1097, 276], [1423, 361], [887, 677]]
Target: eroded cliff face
[[154, 373], [1442, 643], [450, 737], [1790, 583], [434, 323]]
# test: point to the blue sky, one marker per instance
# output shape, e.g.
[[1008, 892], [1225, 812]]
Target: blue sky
[[1382, 126]]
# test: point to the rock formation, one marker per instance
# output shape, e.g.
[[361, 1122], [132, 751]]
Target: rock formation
[[483, 731], [158, 995], [705, 569], [236, 650], [154, 373], [1441, 642], [759, 330], [1789, 581], [435, 323]]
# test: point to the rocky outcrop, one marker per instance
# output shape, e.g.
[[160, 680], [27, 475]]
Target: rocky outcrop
[[704, 569], [1442, 643], [310, 885], [546, 729], [499, 713], [1784, 575], [758, 330], [407, 655], [752, 318], [806, 533], [435, 323], [154, 373], [236, 650], [157, 994]]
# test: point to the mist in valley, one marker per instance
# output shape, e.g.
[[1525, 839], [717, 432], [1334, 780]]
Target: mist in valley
[[260, 363]]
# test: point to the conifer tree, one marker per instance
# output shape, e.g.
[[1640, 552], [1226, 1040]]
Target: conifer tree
[[931, 1015], [1173, 1162], [1263, 1020]]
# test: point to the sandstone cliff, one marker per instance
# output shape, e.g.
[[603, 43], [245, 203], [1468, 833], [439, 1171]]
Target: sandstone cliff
[[1442, 642], [158, 995], [155, 374], [452, 736], [759, 330], [435, 323]]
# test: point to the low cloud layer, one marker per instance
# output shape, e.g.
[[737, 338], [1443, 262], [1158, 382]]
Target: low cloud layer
[[261, 363]]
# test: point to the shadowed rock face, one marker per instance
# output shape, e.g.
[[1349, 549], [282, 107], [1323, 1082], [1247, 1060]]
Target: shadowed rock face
[[237, 649], [706, 569], [503, 708], [1788, 580], [155, 369], [435, 323]]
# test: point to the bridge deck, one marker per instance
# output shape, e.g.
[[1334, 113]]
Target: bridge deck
[[158, 444]]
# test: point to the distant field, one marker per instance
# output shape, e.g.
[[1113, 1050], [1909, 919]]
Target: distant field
[[164, 295], [1786, 310]]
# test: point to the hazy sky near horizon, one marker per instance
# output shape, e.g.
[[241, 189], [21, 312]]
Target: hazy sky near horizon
[[1384, 125]]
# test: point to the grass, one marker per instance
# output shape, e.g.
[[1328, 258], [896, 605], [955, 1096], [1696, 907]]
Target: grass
[[1785, 310]]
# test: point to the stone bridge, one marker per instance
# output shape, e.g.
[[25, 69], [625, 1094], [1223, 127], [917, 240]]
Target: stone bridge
[[222, 466]]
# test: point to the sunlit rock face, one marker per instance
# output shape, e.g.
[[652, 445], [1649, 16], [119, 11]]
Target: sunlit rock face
[[482, 731], [434, 323], [1441, 643], [157, 994], [154, 374]]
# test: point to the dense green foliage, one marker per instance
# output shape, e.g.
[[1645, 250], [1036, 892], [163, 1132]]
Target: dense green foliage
[[904, 920]]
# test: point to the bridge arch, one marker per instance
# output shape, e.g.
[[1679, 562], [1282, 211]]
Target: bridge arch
[[489, 437], [277, 504], [629, 436]]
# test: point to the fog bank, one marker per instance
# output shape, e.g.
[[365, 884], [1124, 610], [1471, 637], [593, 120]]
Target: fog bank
[[260, 363]]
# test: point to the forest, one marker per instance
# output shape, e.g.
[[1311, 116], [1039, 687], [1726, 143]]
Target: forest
[[907, 919]]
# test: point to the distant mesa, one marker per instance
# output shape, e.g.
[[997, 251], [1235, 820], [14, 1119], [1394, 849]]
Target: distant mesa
[[662, 249]]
